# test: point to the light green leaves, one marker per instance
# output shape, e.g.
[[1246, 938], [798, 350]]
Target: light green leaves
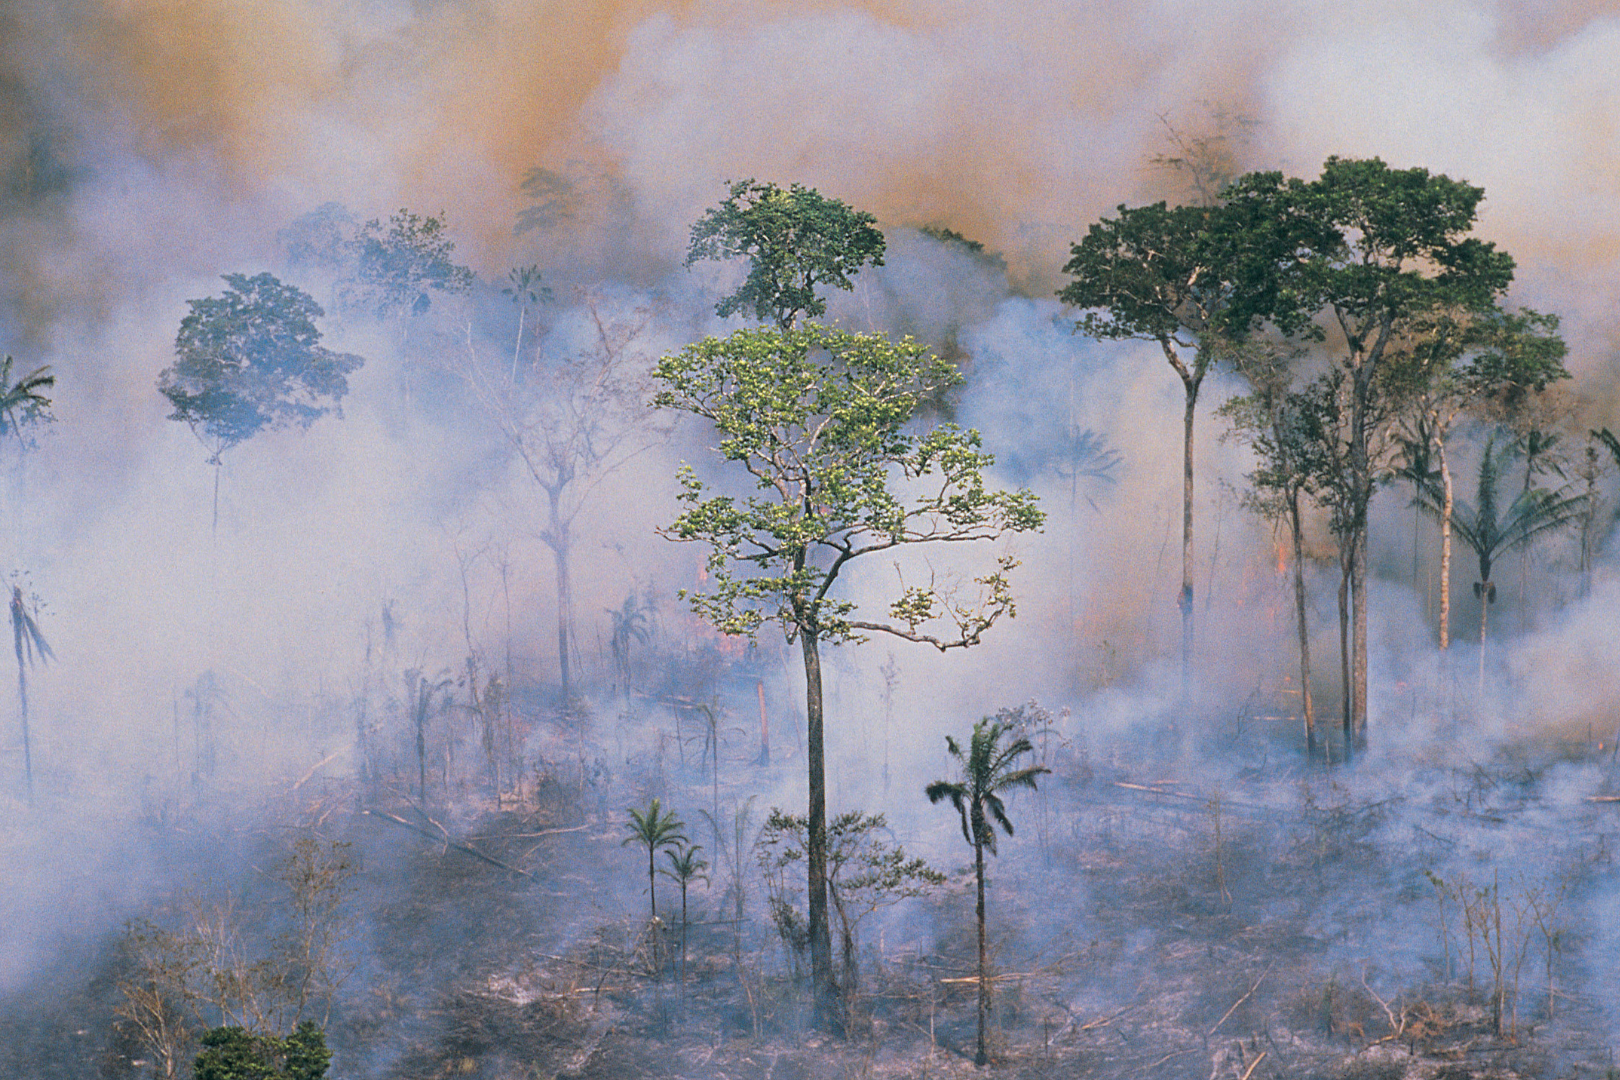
[[823, 420]]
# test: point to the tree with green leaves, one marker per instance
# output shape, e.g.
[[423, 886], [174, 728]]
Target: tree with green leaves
[[865, 872], [655, 830], [252, 360], [685, 866], [23, 402], [397, 266], [1190, 279], [1490, 530], [1469, 362], [1273, 420], [824, 422], [794, 240], [1389, 252], [988, 768]]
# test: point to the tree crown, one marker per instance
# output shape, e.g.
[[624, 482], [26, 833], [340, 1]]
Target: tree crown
[[793, 239], [252, 359], [822, 419]]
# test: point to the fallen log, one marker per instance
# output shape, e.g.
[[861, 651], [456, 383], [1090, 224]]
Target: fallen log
[[447, 841]]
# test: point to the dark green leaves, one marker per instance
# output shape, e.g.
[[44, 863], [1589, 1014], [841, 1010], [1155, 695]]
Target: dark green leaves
[[251, 359], [794, 240]]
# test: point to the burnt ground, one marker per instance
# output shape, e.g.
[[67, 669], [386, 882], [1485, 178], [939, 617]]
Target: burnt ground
[[1278, 923]]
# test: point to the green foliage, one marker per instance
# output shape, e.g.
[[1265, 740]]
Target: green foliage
[[1491, 530], [821, 419], [1175, 273], [397, 266], [231, 1053], [250, 360], [321, 239], [656, 829], [988, 768], [794, 240], [23, 403]]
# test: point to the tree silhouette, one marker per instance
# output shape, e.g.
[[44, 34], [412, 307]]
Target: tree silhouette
[[684, 868], [23, 402], [250, 360], [29, 644], [988, 768]]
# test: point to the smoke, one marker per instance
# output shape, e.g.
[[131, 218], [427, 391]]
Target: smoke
[[148, 146]]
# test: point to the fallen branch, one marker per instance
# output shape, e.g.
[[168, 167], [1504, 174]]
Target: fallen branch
[[474, 852], [1244, 998], [305, 778], [1254, 1065]]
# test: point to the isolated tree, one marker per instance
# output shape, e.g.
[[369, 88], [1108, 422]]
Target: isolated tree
[[30, 645], [251, 360], [23, 402], [654, 830], [988, 768], [685, 866], [794, 240], [824, 423], [1191, 279], [1392, 253]]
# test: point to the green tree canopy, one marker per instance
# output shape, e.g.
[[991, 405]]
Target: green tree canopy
[[794, 240], [251, 359], [397, 266]]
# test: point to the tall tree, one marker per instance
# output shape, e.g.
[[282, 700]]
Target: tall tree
[[824, 421], [1189, 278], [251, 360], [1465, 363], [794, 240], [988, 768], [573, 417], [1392, 252], [1273, 419]]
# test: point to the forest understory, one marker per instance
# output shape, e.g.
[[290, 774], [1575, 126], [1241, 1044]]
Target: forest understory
[[1148, 920]]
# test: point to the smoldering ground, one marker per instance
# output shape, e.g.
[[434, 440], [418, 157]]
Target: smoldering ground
[[147, 148]]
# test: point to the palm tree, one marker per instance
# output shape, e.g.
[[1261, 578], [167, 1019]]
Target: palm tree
[[654, 830], [684, 867], [28, 641], [23, 402], [1491, 532], [987, 770]]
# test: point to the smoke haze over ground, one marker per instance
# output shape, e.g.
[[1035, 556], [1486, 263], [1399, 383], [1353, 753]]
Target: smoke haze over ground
[[149, 146]]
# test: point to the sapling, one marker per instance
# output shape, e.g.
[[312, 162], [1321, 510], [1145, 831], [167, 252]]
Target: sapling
[[685, 867]]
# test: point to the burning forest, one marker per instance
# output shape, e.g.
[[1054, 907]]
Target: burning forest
[[855, 540]]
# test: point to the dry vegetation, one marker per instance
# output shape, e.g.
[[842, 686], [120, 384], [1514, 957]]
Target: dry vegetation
[[1148, 921]]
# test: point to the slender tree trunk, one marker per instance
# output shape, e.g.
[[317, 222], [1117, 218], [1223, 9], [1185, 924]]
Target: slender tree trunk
[[980, 1056], [764, 727], [22, 697], [1358, 598], [652, 878], [1186, 600], [1484, 616], [824, 989], [1448, 504], [217, 466], [559, 551], [1344, 649], [1306, 702]]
